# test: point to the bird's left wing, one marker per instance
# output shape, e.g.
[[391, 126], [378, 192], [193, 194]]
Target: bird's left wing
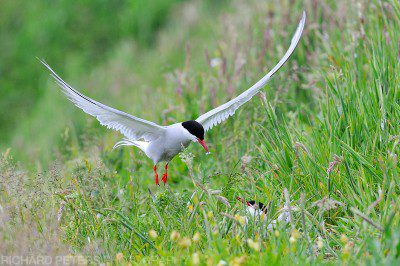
[[221, 113], [134, 128]]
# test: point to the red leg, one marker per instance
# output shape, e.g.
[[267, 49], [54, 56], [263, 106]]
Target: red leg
[[165, 176], [156, 175]]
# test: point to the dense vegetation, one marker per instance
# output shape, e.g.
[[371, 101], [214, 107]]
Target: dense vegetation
[[323, 137]]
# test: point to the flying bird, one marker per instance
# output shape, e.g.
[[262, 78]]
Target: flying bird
[[162, 143]]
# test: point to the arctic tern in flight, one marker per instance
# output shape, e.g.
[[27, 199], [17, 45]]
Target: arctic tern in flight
[[162, 143]]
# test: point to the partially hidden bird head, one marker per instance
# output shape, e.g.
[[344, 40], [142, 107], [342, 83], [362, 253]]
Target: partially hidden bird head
[[197, 131], [253, 204]]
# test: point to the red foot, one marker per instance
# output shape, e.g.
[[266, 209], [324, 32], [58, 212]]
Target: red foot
[[156, 175], [165, 176]]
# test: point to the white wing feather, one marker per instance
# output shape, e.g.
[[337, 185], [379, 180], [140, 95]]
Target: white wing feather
[[221, 113], [132, 127]]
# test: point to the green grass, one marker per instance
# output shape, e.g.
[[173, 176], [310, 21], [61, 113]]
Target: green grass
[[323, 137]]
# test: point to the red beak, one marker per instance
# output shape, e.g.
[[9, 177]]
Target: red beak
[[203, 144]]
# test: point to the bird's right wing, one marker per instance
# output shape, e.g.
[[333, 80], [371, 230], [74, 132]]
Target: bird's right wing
[[221, 113], [134, 128]]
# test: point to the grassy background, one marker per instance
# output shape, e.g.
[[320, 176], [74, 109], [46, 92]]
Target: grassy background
[[323, 136]]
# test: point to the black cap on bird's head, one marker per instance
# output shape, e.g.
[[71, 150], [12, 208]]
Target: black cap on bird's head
[[253, 203], [197, 130], [194, 128]]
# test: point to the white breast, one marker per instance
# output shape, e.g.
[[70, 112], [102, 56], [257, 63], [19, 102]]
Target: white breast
[[165, 148]]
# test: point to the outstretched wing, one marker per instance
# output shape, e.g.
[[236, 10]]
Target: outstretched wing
[[132, 127], [221, 113]]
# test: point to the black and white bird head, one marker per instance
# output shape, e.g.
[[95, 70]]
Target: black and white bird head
[[197, 131], [254, 207]]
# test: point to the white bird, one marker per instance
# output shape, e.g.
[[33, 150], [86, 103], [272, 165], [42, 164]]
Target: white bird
[[258, 210], [162, 143]]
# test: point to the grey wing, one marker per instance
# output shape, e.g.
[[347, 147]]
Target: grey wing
[[132, 127], [221, 113]]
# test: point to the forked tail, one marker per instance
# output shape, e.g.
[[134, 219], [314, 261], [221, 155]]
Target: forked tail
[[127, 142]]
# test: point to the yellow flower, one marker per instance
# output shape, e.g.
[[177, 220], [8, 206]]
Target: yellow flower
[[292, 240], [153, 234], [240, 219], [209, 214], [190, 207], [277, 233], [175, 235], [119, 257], [195, 258], [185, 242], [196, 237], [254, 245], [343, 238]]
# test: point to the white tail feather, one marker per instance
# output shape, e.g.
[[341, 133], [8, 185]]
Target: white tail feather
[[127, 142]]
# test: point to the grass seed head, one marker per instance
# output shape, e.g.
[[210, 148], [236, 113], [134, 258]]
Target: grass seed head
[[195, 258], [253, 245], [240, 219], [348, 247], [119, 257], [175, 235], [343, 239], [185, 242], [238, 261], [153, 234], [196, 237], [296, 234], [209, 261], [320, 243]]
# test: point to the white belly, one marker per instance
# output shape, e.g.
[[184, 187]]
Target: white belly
[[168, 146]]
